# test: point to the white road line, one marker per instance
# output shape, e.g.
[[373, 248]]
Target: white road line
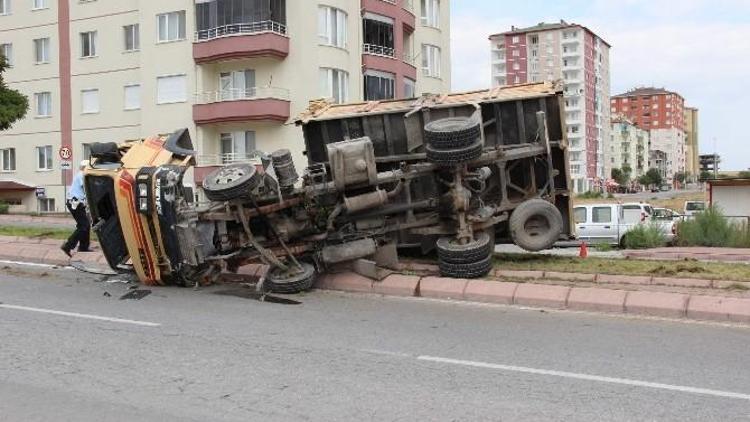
[[585, 377], [77, 315], [33, 264]]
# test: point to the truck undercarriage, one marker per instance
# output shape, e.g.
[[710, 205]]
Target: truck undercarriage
[[457, 173]]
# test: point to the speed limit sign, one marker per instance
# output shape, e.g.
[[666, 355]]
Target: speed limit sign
[[65, 153]]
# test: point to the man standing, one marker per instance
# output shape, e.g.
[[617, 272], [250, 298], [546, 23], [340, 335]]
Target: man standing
[[76, 204]]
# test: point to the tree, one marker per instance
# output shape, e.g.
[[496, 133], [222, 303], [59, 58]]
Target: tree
[[745, 174], [13, 104], [706, 175], [680, 176], [652, 177], [620, 176]]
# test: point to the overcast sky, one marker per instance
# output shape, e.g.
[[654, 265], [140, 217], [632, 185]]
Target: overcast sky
[[699, 48]]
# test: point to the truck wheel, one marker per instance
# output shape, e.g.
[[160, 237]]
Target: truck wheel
[[453, 156], [453, 132], [279, 281], [452, 252], [231, 182], [535, 225], [466, 270]]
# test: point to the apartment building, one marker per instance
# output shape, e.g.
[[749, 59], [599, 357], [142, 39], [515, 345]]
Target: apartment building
[[579, 58], [692, 149], [231, 71], [662, 112], [629, 147]]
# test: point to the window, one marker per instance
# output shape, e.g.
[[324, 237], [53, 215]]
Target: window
[[218, 18], [40, 4], [132, 97], [602, 215], [47, 204], [86, 151], [237, 84], [431, 60], [237, 146], [41, 50], [8, 159], [379, 85], [44, 157], [515, 39], [331, 26], [378, 34], [171, 89], [171, 26], [580, 215], [535, 39], [430, 13], [6, 50], [410, 88], [89, 101], [43, 102], [516, 66], [516, 53], [132, 35], [4, 7], [88, 44], [334, 83]]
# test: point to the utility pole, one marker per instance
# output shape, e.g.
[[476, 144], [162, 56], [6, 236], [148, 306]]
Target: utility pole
[[716, 161]]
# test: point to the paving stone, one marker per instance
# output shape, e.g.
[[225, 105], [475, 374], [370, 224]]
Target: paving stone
[[719, 308], [596, 299], [522, 275], [623, 279], [490, 291], [569, 276], [671, 305], [397, 285], [541, 295], [682, 282], [442, 287]]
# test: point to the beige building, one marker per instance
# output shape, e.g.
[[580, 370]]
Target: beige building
[[231, 71], [692, 149], [628, 147]]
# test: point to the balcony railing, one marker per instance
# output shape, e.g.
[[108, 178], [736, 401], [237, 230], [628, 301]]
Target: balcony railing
[[228, 158], [256, 93], [240, 29], [378, 50], [409, 5]]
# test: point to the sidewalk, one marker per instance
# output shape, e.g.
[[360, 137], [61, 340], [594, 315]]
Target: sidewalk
[[714, 300], [37, 221]]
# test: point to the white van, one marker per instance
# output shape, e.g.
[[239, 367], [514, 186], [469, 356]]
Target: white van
[[637, 212], [609, 223]]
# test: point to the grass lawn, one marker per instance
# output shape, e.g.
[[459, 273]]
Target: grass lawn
[[47, 233], [683, 269]]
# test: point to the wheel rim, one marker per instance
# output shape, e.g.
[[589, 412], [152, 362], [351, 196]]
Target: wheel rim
[[228, 175], [537, 225]]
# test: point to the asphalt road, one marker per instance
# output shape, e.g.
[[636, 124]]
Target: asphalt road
[[68, 352]]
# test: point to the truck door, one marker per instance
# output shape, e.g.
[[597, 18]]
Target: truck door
[[581, 218], [603, 228]]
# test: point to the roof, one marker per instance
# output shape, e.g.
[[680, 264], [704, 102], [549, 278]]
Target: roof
[[15, 185], [646, 91], [543, 26], [736, 181], [323, 110]]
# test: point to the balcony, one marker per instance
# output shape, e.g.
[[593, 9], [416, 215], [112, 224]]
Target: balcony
[[242, 40], [378, 50], [381, 58], [242, 105]]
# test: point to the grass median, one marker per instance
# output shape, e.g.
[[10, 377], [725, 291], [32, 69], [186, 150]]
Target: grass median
[[591, 265], [40, 232]]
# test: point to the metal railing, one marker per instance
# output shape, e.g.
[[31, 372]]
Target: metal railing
[[255, 93], [227, 158], [240, 29], [378, 50]]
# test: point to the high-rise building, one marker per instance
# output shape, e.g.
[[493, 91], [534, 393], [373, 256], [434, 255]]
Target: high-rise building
[[231, 71], [580, 58], [692, 148], [628, 147], [661, 112]]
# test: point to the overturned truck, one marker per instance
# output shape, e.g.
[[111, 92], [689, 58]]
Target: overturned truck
[[454, 173]]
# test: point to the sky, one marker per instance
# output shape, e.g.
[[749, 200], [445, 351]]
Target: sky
[[698, 48]]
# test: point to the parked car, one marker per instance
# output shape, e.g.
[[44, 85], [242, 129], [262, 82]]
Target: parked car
[[610, 223], [694, 207]]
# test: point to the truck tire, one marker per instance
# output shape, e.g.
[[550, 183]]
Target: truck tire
[[278, 281], [535, 225], [453, 156], [234, 181], [466, 270], [453, 132], [452, 252]]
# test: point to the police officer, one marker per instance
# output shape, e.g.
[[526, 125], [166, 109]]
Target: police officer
[[76, 204]]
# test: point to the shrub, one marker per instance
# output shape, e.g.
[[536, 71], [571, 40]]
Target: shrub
[[610, 196], [4, 207], [644, 236], [590, 195], [740, 236], [708, 228]]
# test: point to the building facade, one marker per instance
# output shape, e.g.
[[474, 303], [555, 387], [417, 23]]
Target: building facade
[[692, 145], [231, 71], [662, 113], [577, 56], [628, 147]]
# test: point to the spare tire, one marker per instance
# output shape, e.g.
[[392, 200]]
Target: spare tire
[[279, 281], [234, 181], [453, 132], [454, 156], [466, 270], [535, 225], [450, 251]]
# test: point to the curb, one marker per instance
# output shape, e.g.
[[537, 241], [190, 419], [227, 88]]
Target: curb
[[591, 299]]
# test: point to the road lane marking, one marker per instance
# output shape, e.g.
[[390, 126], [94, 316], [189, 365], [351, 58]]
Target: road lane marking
[[586, 377], [34, 264], [77, 315]]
